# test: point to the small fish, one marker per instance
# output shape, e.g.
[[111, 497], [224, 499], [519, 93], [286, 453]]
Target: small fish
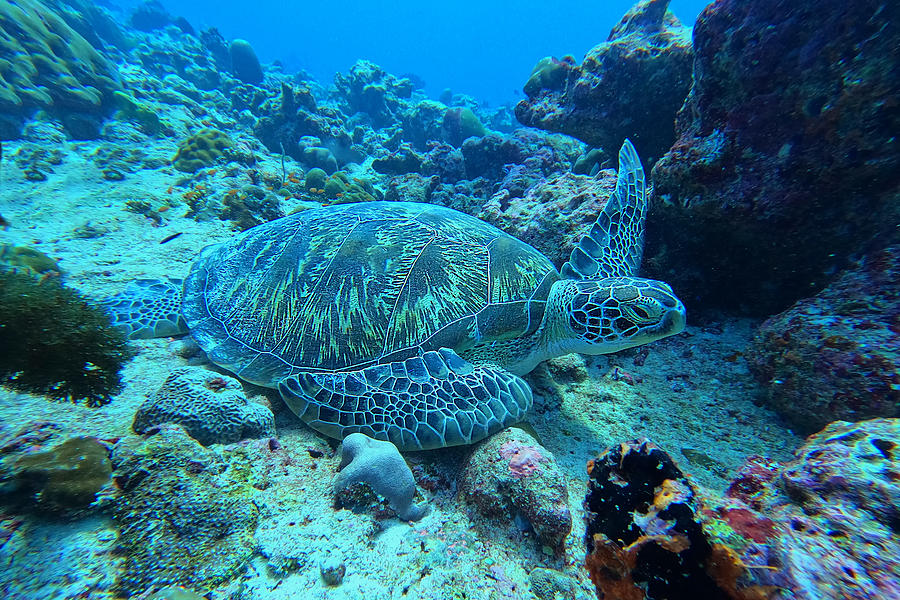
[[169, 238]]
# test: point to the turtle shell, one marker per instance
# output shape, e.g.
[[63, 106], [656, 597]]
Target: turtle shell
[[347, 286]]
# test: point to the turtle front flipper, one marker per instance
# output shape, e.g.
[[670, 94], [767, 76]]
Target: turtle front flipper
[[615, 245], [148, 308], [429, 401]]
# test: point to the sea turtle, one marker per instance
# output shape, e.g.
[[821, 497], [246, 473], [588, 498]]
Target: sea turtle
[[408, 322]]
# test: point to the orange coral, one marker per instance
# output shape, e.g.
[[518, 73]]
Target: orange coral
[[725, 567], [610, 570]]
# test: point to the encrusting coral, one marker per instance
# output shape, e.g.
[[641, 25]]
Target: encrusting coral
[[201, 150], [44, 63], [183, 519]]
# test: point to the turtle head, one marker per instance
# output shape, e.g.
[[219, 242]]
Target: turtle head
[[607, 315]]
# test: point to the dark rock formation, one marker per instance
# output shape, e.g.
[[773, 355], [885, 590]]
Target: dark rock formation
[[836, 356], [786, 161]]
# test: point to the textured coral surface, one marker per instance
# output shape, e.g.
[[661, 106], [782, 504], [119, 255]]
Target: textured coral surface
[[627, 87]]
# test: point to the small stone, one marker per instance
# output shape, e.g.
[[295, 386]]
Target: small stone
[[333, 570]]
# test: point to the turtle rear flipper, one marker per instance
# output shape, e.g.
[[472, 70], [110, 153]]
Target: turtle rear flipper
[[429, 401], [148, 308]]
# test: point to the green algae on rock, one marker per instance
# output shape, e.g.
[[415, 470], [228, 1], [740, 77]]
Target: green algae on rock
[[27, 260], [67, 476]]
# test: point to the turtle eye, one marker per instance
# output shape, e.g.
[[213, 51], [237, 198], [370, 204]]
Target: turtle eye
[[640, 314]]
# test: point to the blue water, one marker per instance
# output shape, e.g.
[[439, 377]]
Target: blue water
[[484, 49]]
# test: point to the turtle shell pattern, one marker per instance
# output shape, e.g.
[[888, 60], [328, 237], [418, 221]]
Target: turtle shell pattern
[[347, 286]]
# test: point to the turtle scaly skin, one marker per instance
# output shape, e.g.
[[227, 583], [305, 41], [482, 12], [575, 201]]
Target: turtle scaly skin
[[410, 322]]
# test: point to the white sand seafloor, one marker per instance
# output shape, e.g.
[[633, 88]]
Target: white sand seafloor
[[685, 396]]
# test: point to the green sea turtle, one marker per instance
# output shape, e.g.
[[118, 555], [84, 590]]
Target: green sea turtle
[[409, 322]]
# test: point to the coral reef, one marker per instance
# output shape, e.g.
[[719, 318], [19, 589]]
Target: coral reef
[[46, 64], [836, 356], [786, 162], [459, 124], [838, 501], [150, 15], [379, 465], [370, 90], [627, 87], [201, 150], [212, 408], [53, 342], [511, 474], [250, 206], [553, 214], [294, 115], [822, 526], [547, 584], [826, 521], [130, 108], [183, 519]]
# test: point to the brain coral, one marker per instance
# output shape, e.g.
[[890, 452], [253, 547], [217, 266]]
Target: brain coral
[[211, 407], [45, 63], [201, 150]]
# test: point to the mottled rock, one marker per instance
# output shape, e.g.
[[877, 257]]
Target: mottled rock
[[183, 520], [510, 474], [838, 505], [786, 161], [836, 356], [630, 86], [211, 407]]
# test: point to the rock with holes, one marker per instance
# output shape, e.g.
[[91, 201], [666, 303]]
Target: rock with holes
[[212, 408], [838, 507]]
